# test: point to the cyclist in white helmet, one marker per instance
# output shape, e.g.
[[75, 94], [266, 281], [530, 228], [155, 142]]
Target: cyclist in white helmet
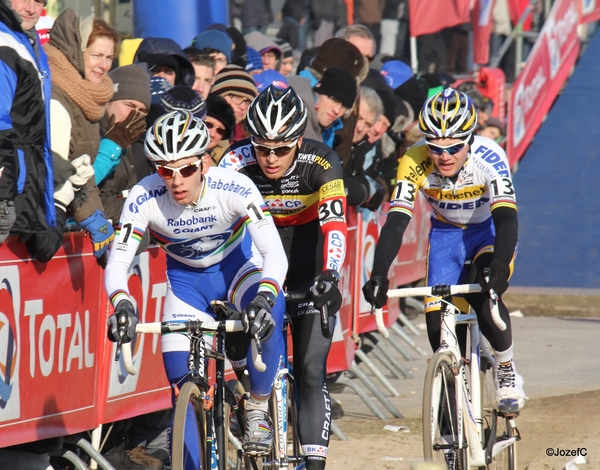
[[206, 219], [466, 180]]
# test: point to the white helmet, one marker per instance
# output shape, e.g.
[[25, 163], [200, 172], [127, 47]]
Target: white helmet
[[450, 113], [176, 135]]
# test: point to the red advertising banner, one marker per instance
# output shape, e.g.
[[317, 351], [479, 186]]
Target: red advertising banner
[[547, 68], [57, 370], [589, 10], [431, 16], [51, 342]]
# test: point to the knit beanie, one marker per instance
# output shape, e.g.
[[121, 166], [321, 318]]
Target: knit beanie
[[219, 109], [339, 53], [236, 81], [396, 72], [339, 84], [214, 39], [253, 60], [270, 77], [158, 86], [131, 82], [182, 97], [262, 43], [286, 48]]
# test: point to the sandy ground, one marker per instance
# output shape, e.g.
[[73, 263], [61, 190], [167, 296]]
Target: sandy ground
[[563, 412]]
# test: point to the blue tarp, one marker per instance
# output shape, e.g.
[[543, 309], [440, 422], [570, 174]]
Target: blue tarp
[[558, 188]]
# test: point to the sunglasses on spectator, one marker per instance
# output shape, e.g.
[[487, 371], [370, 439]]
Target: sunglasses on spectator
[[281, 151], [452, 149], [185, 171], [220, 130]]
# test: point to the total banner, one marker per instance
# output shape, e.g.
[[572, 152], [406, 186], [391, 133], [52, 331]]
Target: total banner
[[58, 374], [548, 67]]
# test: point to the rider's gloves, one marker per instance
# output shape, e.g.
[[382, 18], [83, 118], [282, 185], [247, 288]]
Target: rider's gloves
[[375, 290], [124, 314], [101, 232], [498, 279], [325, 290], [257, 317]]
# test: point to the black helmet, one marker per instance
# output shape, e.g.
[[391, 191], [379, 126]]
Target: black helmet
[[277, 114]]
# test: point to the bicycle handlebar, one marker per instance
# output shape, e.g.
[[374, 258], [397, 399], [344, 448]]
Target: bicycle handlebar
[[440, 290], [190, 326], [324, 311]]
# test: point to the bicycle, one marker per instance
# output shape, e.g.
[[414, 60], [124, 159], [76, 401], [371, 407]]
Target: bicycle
[[461, 425], [210, 402], [287, 450]]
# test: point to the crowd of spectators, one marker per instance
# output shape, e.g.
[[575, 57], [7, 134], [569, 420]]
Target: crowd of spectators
[[74, 111]]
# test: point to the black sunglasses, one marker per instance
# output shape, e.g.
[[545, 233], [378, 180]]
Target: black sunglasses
[[281, 151]]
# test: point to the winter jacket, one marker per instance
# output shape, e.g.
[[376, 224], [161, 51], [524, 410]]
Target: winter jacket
[[25, 157], [151, 47]]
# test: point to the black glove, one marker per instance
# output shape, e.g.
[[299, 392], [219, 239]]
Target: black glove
[[126, 132], [124, 312], [375, 290], [498, 279], [325, 290], [7, 218], [257, 317]]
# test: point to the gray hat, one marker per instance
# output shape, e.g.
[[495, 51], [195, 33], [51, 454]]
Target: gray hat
[[131, 82], [262, 43]]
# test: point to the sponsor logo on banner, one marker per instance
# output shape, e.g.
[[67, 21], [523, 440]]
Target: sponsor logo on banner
[[10, 342]]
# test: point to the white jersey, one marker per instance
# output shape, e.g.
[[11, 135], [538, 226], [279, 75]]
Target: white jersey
[[199, 236]]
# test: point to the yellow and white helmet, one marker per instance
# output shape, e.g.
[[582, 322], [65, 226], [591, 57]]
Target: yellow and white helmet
[[450, 113]]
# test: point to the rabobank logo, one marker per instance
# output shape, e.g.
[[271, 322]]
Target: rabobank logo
[[10, 302]]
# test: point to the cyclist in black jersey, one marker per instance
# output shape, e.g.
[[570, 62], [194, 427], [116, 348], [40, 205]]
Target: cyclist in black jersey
[[301, 182]]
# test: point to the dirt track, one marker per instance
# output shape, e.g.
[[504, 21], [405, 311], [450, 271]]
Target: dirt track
[[552, 418]]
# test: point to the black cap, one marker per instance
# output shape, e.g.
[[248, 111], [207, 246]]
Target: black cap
[[339, 84], [219, 109]]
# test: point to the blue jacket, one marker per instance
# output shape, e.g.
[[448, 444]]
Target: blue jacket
[[27, 176]]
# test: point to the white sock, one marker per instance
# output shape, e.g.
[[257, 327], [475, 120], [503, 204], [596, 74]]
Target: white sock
[[504, 356]]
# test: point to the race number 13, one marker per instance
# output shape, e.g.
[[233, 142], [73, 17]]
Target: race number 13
[[405, 191]]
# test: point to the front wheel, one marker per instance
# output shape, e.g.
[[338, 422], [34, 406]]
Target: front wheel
[[189, 444], [498, 430], [441, 437]]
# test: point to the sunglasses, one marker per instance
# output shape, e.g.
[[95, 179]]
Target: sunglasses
[[220, 130], [185, 171], [450, 149], [281, 151]]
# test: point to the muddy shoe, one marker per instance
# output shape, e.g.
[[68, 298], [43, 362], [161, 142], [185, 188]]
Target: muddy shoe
[[258, 437], [140, 455]]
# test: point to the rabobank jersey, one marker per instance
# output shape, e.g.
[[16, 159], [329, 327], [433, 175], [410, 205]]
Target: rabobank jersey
[[312, 188], [483, 184], [229, 215]]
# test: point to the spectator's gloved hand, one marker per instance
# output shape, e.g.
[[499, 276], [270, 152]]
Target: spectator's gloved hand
[[123, 321], [101, 232], [257, 317], [325, 291], [126, 132], [64, 195], [85, 171], [7, 218], [498, 279], [375, 291]]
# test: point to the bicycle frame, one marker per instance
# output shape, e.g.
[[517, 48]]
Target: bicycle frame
[[467, 384]]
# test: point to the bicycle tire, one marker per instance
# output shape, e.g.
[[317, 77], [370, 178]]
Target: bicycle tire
[[507, 458], [189, 395], [440, 417], [293, 448], [236, 426]]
